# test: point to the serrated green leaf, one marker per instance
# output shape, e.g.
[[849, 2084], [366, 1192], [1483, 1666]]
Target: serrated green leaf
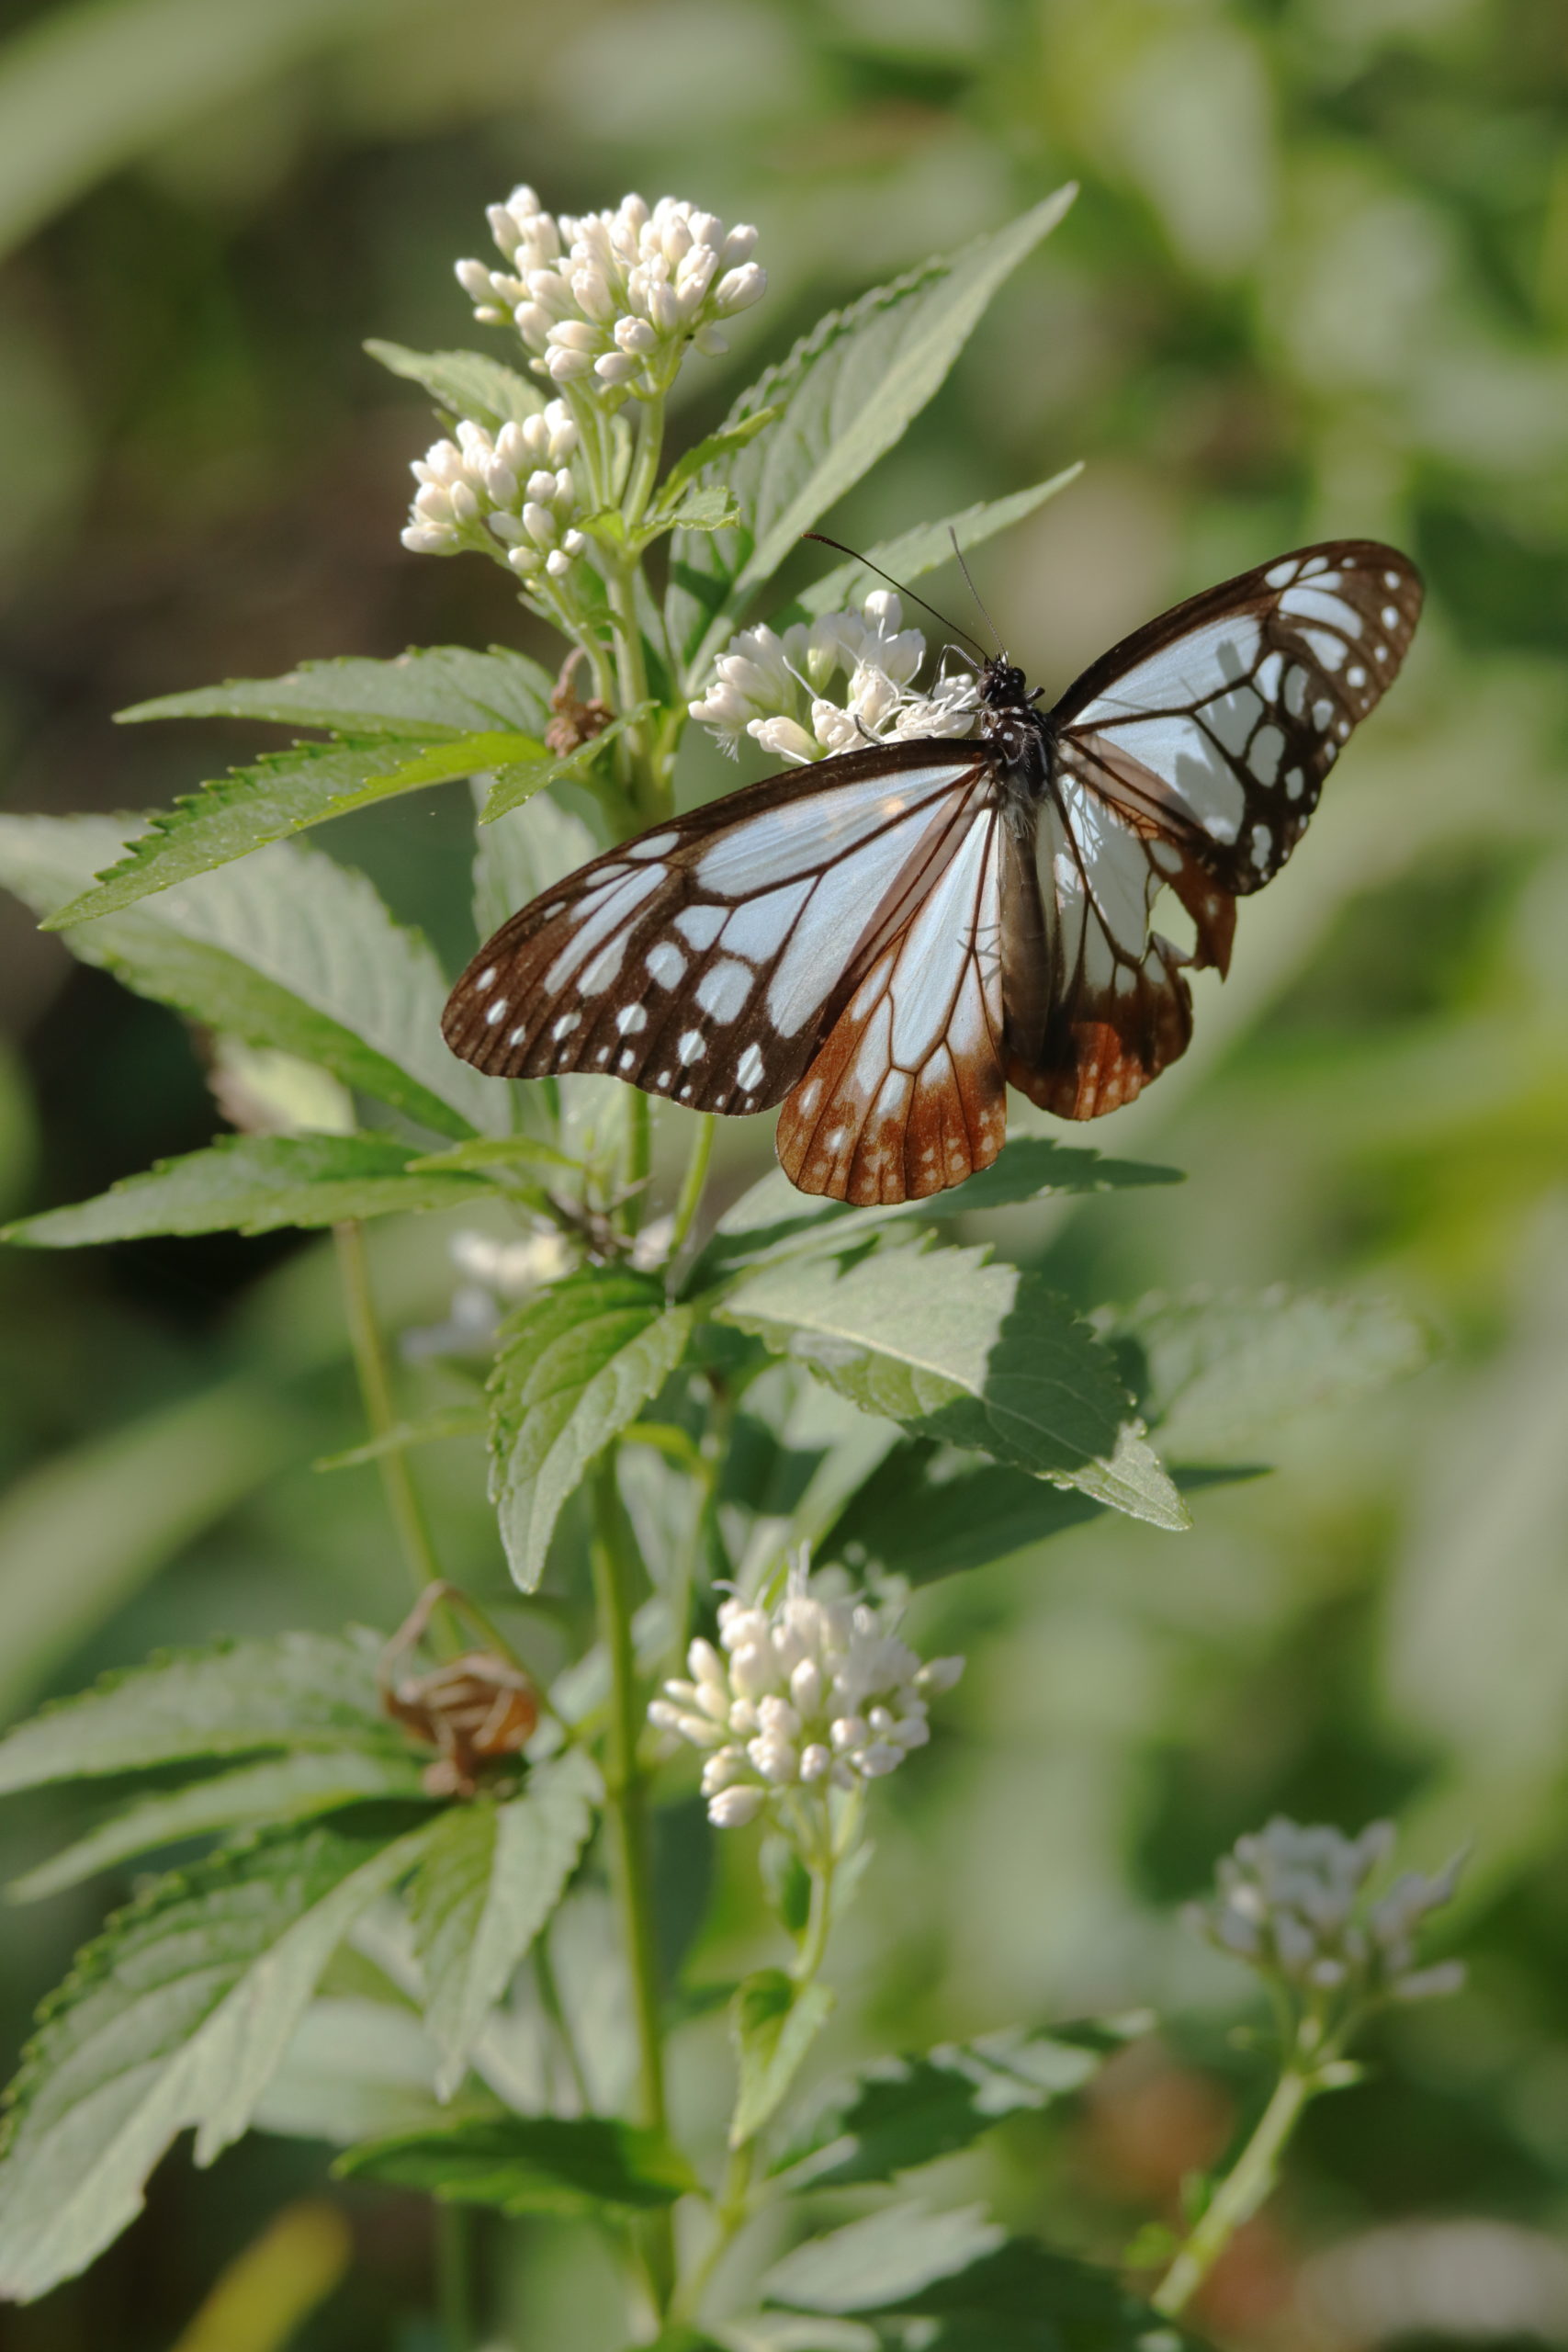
[[430, 692], [253, 1185], [774, 2021], [176, 2016], [773, 1220], [896, 2113], [846, 392], [879, 2263], [984, 2291], [927, 1511], [280, 795], [291, 1788], [521, 854], [287, 949], [926, 546], [359, 2068], [576, 1365], [1219, 1374], [489, 1878], [518, 780], [496, 1151], [981, 1355], [580, 2165], [467, 383], [706, 507], [316, 1691]]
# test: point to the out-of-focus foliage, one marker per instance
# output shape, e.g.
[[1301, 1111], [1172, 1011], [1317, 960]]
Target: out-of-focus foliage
[[1317, 280]]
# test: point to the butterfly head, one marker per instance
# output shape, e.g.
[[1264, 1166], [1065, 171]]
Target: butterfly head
[[1003, 686]]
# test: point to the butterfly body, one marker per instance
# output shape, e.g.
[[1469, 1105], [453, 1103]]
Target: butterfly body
[[882, 942]]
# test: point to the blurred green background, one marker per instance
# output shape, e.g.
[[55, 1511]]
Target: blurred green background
[[1317, 281]]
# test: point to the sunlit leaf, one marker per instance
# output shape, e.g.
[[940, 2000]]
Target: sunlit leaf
[[253, 1184], [576, 1365], [489, 1878], [315, 1691], [289, 1788], [775, 2022], [921, 549], [433, 691], [899, 2112], [285, 948], [176, 2016], [954, 1347], [468, 383], [582, 2164]]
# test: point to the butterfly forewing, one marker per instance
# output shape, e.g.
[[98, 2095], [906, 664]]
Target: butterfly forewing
[[707, 959], [1217, 723]]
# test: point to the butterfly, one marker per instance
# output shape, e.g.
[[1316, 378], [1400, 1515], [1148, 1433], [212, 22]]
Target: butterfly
[[885, 940]]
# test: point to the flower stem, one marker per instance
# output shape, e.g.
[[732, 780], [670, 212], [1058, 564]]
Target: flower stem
[[1246, 2186], [376, 1388], [692, 1182], [625, 1811]]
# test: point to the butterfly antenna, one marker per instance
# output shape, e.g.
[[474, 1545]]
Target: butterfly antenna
[[969, 583], [839, 549]]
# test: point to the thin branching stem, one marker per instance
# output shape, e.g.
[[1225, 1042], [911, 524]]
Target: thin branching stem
[[1245, 2188], [381, 1412], [689, 1199], [626, 1821]]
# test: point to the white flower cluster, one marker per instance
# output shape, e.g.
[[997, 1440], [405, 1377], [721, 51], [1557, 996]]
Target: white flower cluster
[[1289, 1901], [773, 688], [813, 1693], [611, 300], [518, 488]]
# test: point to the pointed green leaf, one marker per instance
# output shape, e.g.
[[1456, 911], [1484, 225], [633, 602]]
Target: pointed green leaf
[[877, 2263], [706, 507], [775, 2022], [773, 1220], [567, 2165], [287, 948], [253, 1185], [517, 780], [847, 393], [1219, 1374], [467, 383], [926, 546], [359, 2068], [316, 1691], [711, 451], [291, 1788], [576, 1364], [927, 1511], [489, 1878], [430, 692], [519, 853], [176, 2016], [896, 2113], [282, 794], [981, 1355]]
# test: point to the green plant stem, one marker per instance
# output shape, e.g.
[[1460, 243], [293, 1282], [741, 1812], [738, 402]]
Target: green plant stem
[[692, 1182], [376, 1388], [626, 1820], [1239, 2195], [454, 2286]]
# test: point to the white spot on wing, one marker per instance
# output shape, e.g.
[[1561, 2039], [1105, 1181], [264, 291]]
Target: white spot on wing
[[748, 1069], [1279, 574], [654, 847], [665, 963], [630, 1019], [692, 1048], [485, 978], [1391, 616], [701, 926], [566, 1024], [724, 987], [1268, 747]]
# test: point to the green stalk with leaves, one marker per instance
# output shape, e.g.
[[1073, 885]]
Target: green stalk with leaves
[[453, 1825]]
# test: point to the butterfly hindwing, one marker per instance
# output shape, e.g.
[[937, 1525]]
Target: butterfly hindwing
[[1218, 722], [907, 1094], [705, 959]]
